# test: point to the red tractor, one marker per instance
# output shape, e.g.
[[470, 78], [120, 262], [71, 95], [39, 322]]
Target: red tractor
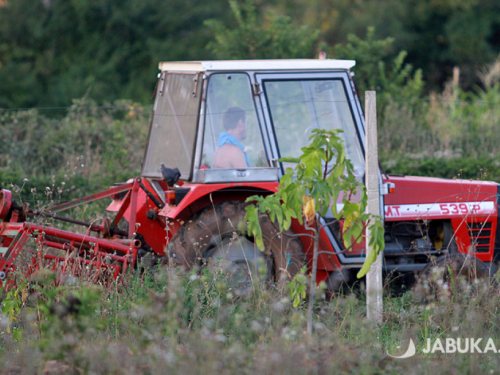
[[217, 131]]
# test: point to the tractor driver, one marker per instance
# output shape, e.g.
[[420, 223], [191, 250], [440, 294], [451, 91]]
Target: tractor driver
[[230, 153]]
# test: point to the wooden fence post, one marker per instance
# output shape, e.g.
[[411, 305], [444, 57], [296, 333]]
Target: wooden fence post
[[374, 301]]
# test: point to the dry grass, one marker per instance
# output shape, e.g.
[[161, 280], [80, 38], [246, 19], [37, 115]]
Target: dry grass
[[169, 322]]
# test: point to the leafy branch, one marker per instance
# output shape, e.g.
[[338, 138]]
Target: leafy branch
[[323, 181]]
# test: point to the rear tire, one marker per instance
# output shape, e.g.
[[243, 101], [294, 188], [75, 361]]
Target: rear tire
[[220, 232]]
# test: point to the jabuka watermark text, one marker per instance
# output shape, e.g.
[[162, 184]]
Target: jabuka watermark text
[[452, 345]]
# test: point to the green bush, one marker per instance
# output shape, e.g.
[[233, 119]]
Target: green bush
[[463, 167], [85, 151]]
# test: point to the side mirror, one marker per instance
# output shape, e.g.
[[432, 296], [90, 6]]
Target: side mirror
[[170, 176]]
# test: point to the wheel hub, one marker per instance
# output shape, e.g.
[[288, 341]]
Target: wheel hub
[[240, 260]]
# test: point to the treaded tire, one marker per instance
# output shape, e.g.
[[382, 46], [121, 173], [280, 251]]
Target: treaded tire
[[461, 265], [436, 277], [189, 246]]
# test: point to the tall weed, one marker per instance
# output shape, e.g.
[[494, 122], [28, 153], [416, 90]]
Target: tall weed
[[449, 130], [170, 322]]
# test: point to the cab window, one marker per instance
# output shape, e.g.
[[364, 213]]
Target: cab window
[[232, 137]]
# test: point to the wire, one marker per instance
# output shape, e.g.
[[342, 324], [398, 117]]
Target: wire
[[136, 110], [261, 192], [74, 108], [441, 100]]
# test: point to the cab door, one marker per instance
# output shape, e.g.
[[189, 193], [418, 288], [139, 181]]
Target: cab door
[[294, 104]]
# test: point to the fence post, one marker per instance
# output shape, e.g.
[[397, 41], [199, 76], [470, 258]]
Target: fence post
[[374, 302]]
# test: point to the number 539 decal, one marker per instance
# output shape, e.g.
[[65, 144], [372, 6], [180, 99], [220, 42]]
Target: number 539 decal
[[440, 209], [459, 208]]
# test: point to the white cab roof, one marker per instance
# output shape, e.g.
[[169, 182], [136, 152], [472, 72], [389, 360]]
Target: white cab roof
[[255, 65]]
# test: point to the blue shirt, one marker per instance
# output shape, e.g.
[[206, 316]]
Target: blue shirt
[[230, 139]]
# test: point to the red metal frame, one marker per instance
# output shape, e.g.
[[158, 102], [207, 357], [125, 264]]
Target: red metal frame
[[17, 258], [79, 248], [201, 195], [449, 198]]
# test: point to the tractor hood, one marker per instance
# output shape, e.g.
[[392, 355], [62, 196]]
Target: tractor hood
[[427, 197]]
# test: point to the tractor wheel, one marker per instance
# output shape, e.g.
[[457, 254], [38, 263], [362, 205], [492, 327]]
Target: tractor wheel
[[216, 238], [452, 276]]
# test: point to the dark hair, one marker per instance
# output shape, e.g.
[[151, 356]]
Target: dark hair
[[232, 116]]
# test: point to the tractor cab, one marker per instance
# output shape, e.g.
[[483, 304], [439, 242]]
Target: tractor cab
[[231, 121], [226, 124]]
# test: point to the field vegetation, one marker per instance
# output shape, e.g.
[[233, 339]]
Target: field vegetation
[[438, 116], [170, 322]]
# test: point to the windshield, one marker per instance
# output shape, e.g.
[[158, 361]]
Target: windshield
[[232, 137], [299, 106], [173, 128]]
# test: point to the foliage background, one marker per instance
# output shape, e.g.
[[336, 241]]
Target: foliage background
[[52, 51], [437, 81]]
